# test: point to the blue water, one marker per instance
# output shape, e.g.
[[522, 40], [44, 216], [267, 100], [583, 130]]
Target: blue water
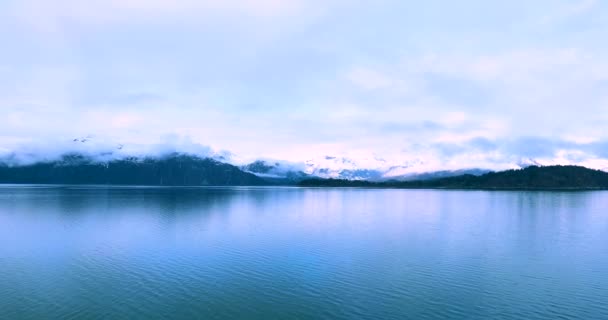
[[292, 253]]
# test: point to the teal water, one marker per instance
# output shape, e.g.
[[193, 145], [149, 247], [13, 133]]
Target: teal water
[[291, 253]]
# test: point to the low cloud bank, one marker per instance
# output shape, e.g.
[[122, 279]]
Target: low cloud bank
[[103, 150], [497, 154]]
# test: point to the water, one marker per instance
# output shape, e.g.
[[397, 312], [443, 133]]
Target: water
[[290, 253]]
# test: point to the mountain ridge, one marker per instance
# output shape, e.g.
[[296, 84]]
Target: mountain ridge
[[558, 177], [170, 170]]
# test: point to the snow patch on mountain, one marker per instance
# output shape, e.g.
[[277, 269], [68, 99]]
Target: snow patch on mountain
[[371, 168]]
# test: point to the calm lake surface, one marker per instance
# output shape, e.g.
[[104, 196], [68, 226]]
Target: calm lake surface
[[296, 253]]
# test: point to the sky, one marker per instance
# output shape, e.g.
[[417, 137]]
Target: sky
[[469, 83]]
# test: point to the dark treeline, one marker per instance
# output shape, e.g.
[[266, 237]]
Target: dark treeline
[[530, 178], [175, 170]]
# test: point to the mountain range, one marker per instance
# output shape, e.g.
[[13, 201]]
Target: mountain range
[[329, 167], [176, 169], [117, 164]]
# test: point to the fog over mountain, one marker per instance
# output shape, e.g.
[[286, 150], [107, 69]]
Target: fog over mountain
[[103, 150], [94, 150]]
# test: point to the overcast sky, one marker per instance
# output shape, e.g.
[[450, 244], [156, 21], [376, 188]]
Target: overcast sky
[[455, 82]]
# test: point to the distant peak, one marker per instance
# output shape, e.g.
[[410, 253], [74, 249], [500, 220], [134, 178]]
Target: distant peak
[[524, 163]]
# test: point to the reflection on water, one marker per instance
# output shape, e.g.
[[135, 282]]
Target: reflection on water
[[263, 253]]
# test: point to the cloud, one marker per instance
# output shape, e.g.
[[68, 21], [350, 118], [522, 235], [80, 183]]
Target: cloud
[[505, 151], [571, 10], [133, 11], [287, 79], [99, 148], [520, 87]]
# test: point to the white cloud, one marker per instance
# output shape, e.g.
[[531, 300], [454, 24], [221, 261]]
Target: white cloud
[[61, 15], [524, 85], [291, 78], [113, 10], [572, 9]]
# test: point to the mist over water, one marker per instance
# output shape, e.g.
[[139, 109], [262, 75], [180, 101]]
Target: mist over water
[[266, 253]]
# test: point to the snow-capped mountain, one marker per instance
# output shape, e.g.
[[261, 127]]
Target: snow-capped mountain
[[379, 169], [362, 168], [335, 167], [324, 167], [528, 162]]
